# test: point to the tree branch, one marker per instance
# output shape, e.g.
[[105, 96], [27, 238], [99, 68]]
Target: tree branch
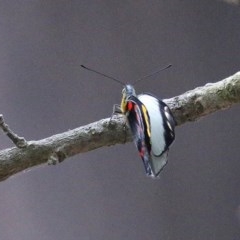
[[189, 106]]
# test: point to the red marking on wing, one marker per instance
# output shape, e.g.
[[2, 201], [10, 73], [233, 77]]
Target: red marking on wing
[[129, 106], [142, 152]]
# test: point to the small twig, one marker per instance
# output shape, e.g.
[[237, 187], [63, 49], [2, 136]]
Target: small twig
[[20, 142]]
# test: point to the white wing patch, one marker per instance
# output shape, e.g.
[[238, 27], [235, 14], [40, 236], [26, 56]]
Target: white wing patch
[[156, 123]]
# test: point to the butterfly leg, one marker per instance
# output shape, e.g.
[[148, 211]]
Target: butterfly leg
[[116, 110]]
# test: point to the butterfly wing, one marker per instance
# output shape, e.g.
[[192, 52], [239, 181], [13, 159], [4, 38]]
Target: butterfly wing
[[140, 131], [152, 125], [162, 131]]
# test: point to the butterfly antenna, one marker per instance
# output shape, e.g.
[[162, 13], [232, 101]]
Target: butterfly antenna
[[151, 74], [102, 74]]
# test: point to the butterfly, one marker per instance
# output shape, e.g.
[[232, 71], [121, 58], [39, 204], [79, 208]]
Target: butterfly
[[152, 125]]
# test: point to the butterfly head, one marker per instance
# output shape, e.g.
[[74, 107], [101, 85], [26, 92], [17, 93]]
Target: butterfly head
[[127, 92]]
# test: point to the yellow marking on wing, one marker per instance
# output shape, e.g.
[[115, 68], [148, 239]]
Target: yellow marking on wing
[[123, 105], [145, 115]]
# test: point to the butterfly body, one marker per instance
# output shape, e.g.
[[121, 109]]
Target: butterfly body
[[152, 125]]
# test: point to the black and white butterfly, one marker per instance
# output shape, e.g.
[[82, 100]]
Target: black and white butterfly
[[152, 125]]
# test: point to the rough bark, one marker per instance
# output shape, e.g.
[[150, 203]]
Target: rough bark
[[189, 106]]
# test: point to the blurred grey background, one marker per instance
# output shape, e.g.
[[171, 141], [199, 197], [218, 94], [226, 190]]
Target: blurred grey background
[[104, 194]]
